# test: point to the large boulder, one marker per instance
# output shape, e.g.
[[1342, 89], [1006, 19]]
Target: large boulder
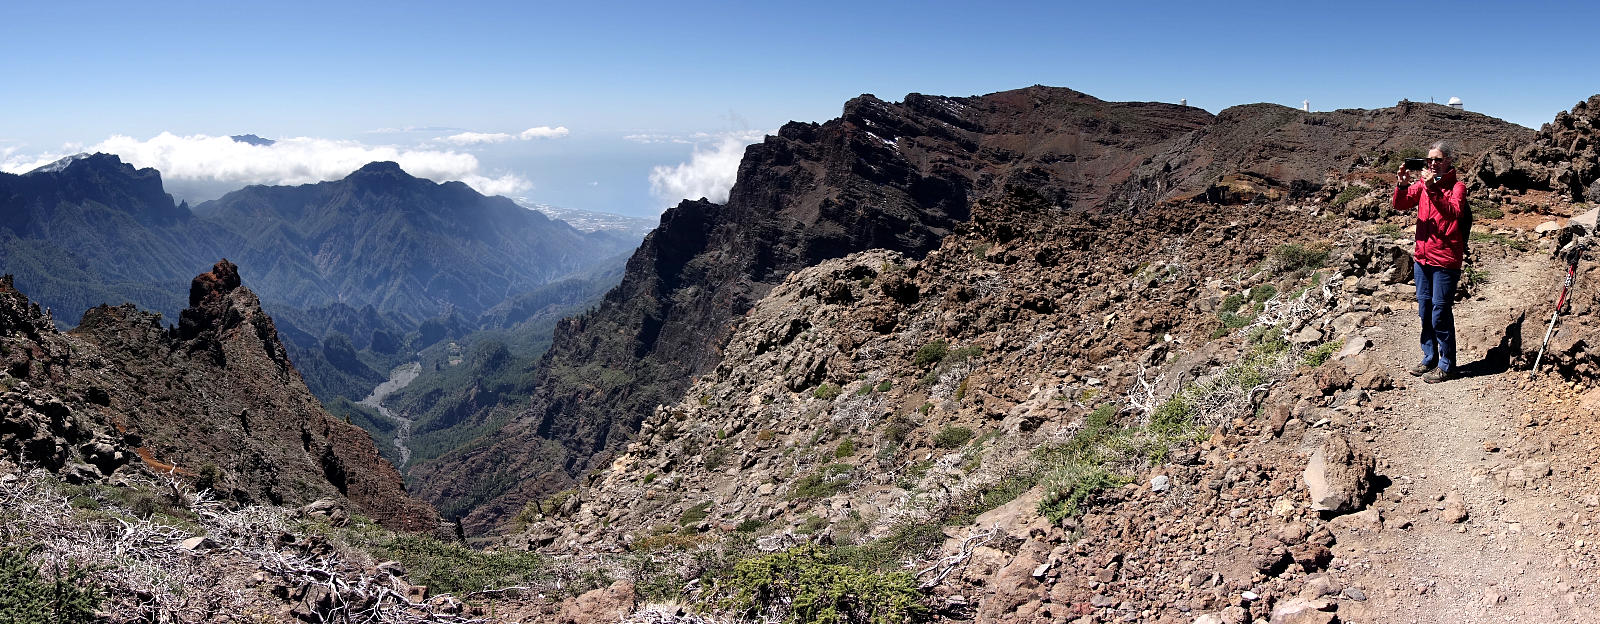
[[1339, 476]]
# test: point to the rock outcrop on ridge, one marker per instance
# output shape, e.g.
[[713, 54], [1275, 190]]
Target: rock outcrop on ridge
[[214, 399]]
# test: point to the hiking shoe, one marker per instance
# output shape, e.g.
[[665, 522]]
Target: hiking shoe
[[1420, 370], [1438, 374]]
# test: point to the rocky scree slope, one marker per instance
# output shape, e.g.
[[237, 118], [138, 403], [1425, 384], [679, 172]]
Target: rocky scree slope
[[213, 399], [897, 177], [1184, 434]]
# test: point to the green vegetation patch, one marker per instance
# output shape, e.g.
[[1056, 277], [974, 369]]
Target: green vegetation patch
[[1292, 257], [826, 391], [1499, 239], [931, 353], [952, 437], [28, 597], [1351, 193], [1319, 354], [447, 567], [830, 480], [807, 585]]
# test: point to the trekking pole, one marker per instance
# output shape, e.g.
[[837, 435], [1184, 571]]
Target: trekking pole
[[1573, 252]]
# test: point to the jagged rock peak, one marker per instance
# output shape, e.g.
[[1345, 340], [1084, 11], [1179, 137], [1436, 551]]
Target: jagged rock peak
[[221, 280]]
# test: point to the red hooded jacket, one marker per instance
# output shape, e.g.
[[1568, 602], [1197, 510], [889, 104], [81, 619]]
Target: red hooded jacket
[[1441, 235]]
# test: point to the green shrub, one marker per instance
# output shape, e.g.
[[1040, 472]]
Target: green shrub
[[1350, 193], [1231, 303], [931, 353], [809, 586], [826, 392], [885, 386], [846, 448], [830, 480], [25, 597], [1075, 488], [716, 457], [648, 477], [1392, 230], [811, 524], [1315, 357], [1485, 209], [1263, 292], [694, 515], [449, 567], [952, 437], [749, 525], [1294, 256]]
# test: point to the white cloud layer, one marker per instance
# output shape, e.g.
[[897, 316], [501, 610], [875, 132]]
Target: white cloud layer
[[301, 160], [477, 138], [710, 172]]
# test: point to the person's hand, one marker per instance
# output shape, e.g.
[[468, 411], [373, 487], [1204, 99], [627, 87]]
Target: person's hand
[[1402, 177]]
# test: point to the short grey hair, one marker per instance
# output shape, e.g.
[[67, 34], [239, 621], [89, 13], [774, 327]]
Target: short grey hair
[[1445, 147]]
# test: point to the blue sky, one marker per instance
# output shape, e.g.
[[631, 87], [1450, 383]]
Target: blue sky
[[690, 74]]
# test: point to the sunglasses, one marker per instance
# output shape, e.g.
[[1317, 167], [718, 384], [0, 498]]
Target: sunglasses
[[1440, 159]]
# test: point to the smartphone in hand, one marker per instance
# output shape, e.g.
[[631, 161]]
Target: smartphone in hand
[[1416, 164]]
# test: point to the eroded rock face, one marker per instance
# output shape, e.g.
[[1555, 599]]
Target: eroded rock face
[[1339, 477], [1564, 157]]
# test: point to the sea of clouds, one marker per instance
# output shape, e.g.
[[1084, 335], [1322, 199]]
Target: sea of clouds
[[298, 160]]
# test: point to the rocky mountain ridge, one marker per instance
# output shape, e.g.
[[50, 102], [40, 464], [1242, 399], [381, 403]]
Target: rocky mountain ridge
[[214, 399], [901, 177]]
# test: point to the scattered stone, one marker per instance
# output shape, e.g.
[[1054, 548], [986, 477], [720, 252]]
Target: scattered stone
[[1339, 475], [198, 544], [1455, 508], [1368, 520], [1493, 598], [1355, 594], [1303, 611], [601, 606], [1160, 484], [1353, 346], [1101, 601], [1546, 228]]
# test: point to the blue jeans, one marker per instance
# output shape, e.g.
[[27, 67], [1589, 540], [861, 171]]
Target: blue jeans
[[1436, 290]]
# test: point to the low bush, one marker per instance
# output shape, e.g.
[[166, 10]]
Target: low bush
[[931, 353], [809, 586], [1316, 356], [826, 391], [1294, 256], [952, 437], [694, 515], [27, 597]]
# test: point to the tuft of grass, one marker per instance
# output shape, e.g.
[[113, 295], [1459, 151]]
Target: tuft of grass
[[830, 480], [1351, 193], [695, 515], [1499, 239], [826, 391], [952, 437], [1316, 356]]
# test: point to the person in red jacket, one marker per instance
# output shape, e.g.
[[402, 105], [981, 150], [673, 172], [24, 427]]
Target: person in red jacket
[[1440, 201]]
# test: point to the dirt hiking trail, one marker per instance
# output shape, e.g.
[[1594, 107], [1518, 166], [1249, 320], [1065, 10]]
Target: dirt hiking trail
[[1524, 551]]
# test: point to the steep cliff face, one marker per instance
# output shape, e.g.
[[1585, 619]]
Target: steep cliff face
[[884, 175], [214, 398]]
